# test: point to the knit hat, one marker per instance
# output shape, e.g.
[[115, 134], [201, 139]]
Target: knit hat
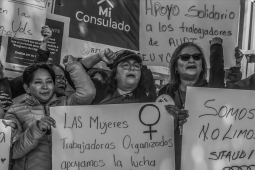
[[123, 55]]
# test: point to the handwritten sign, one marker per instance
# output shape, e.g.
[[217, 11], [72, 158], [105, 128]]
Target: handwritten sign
[[220, 132], [22, 52], [5, 140], [22, 18], [165, 24], [129, 136]]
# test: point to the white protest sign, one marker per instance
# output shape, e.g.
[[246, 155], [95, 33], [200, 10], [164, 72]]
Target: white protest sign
[[5, 143], [165, 24], [22, 18], [219, 133], [128, 136]]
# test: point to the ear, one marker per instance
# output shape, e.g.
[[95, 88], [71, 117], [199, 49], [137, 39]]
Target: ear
[[26, 88]]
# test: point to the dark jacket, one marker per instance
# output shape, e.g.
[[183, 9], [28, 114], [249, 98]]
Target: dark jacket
[[101, 94], [216, 80], [246, 84]]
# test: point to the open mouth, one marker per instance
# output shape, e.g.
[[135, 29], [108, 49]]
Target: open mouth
[[131, 75], [191, 67]]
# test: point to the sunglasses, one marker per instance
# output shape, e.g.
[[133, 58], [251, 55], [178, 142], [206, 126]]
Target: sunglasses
[[186, 57]]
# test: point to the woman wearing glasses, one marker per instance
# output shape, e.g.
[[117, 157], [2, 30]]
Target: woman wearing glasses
[[125, 83], [188, 68]]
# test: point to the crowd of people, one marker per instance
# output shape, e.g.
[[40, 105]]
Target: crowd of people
[[128, 81]]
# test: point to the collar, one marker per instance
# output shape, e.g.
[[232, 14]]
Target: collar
[[121, 92], [34, 102]]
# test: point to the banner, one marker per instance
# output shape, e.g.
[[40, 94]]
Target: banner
[[162, 26], [219, 133], [5, 144], [22, 18], [122, 136], [19, 53]]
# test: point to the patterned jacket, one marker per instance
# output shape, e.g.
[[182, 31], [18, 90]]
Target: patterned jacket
[[32, 147]]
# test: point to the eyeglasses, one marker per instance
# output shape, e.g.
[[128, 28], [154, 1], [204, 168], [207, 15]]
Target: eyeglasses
[[127, 65], [186, 57], [60, 78]]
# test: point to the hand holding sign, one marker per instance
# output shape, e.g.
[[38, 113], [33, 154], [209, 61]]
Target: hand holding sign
[[45, 124], [179, 114]]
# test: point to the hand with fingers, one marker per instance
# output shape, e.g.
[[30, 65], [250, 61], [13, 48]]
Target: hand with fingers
[[216, 40], [13, 125], [46, 33], [106, 55], [45, 124], [180, 115], [68, 59]]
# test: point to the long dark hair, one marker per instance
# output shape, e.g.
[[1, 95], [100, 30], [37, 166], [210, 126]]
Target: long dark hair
[[112, 83], [175, 78]]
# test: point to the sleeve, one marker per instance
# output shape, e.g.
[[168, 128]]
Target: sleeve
[[245, 84], [84, 88], [217, 72], [43, 56], [25, 141], [16, 85]]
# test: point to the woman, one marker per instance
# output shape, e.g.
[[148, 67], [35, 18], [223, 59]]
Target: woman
[[126, 81], [8, 88], [188, 68], [32, 143]]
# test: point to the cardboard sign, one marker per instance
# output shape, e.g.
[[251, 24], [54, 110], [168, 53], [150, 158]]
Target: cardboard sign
[[22, 18], [22, 52], [128, 136], [220, 131], [165, 24], [5, 143]]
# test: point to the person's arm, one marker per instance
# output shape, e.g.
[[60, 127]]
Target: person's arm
[[25, 141], [217, 72], [43, 52], [105, 55], [84, 88]]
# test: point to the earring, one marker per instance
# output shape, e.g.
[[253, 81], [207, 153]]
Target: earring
[[176, 72], [201, 69]]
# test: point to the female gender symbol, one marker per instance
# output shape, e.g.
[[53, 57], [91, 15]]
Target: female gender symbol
[[150, 125]]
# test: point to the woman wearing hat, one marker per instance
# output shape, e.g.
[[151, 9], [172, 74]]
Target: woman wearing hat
[[125, 83]]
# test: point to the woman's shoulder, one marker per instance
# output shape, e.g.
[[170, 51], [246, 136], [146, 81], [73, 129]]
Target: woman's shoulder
[[167, 89]]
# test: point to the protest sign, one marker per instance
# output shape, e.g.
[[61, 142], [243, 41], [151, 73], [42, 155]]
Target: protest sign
[[22, 18], [219, 133], [165, 24], [19, 53], [5, 144], [123, 136]]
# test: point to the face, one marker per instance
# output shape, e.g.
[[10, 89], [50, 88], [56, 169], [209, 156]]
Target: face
[[190, 68], [128, 79], [60, 81], [42, 86]]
